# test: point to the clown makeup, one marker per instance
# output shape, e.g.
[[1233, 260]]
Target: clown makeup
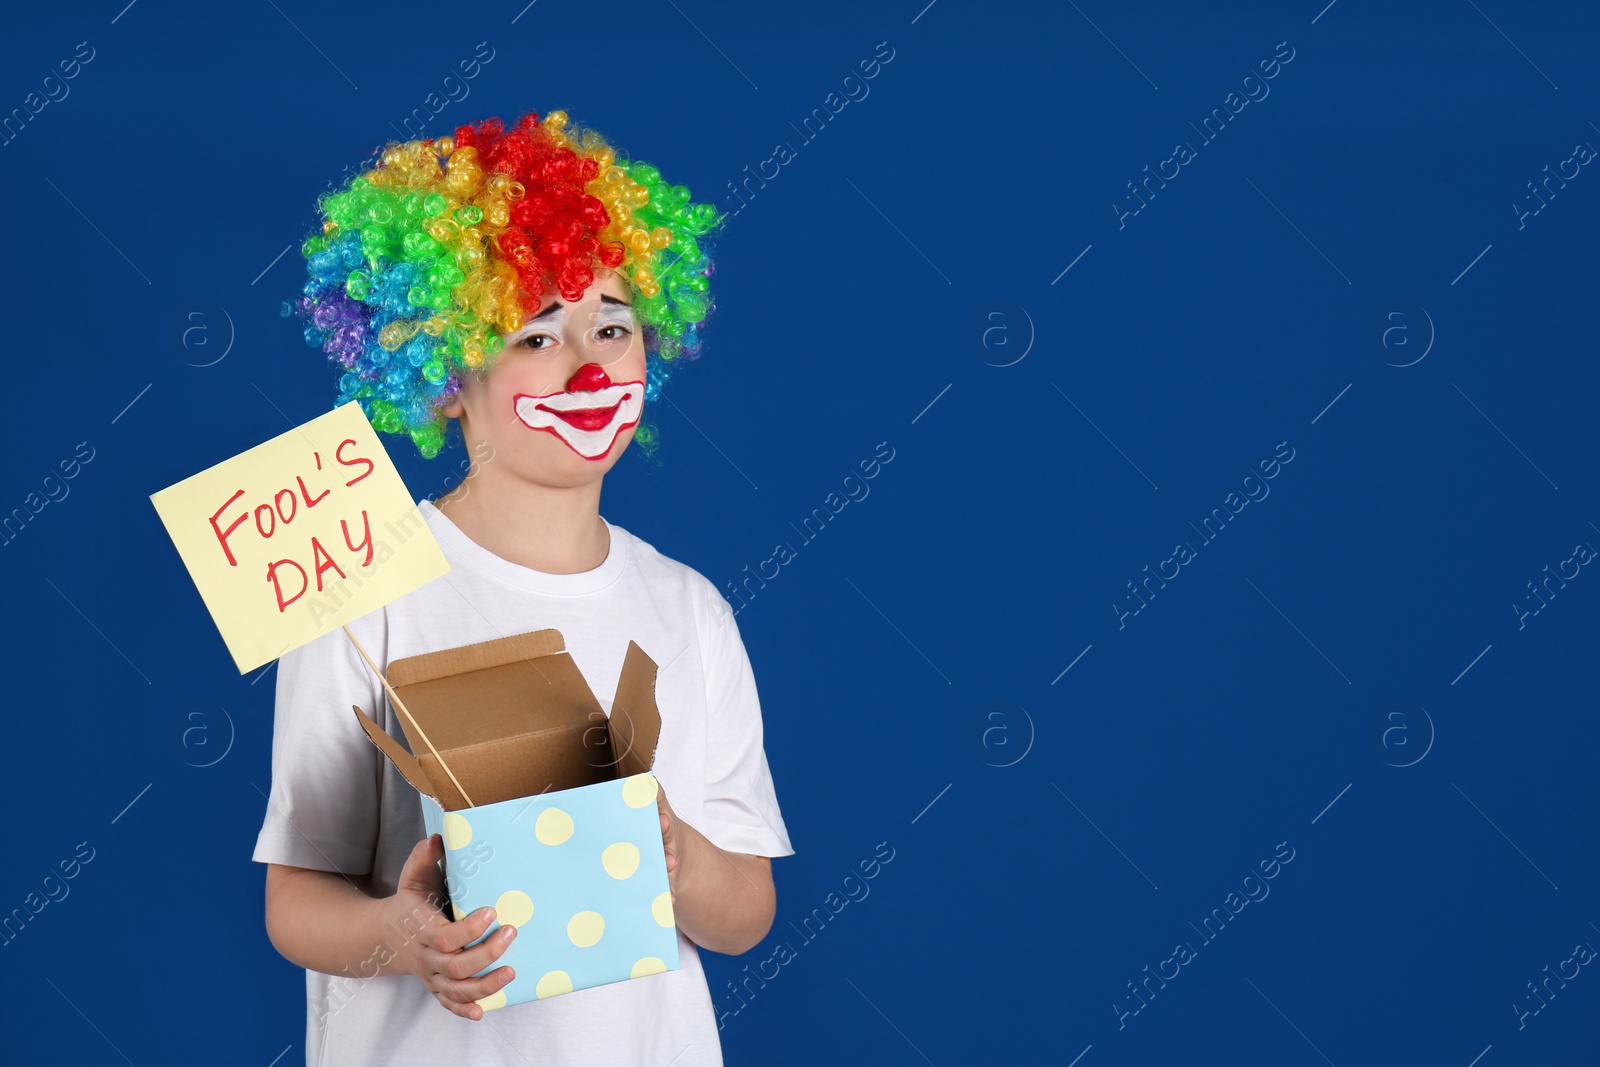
[[611, 331], [592, 410], [588, 415]]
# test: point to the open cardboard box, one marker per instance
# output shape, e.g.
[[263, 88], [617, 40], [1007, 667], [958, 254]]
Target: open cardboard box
[[562, 835]]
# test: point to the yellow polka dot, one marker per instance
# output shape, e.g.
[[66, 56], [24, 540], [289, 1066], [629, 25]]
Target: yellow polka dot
[[457, 912], [554, 984], [620, 860], [457, 831], [648, 965], [497, 999], [639, 790], [513, 908], [554, 826], [662, 909], [585, 928]]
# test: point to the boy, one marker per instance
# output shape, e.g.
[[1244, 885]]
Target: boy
[[353, 888]]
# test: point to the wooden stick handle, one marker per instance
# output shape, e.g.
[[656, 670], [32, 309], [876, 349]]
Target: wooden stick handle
[[395, 699]]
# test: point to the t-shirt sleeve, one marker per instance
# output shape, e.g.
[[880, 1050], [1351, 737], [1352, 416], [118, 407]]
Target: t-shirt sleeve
[[741, 805], [323, 810]]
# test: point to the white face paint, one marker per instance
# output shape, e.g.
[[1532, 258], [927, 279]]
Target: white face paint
[[589, 422]]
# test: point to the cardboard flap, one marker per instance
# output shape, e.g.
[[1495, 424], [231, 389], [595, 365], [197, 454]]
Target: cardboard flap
[[635, 719], [499, 702], [481, 656], [403, 761]]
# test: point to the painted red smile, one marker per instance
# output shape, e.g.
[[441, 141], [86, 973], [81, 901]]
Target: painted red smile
[[585, 418]]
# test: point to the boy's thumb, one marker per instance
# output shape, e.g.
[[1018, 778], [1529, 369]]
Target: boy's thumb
[[420, 874]]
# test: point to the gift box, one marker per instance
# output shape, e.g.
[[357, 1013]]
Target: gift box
[[562, 836]]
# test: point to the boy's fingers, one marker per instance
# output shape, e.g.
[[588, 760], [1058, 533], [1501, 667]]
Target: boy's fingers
[[463, 1010], [459, 996], [452, 936], [470, 961]]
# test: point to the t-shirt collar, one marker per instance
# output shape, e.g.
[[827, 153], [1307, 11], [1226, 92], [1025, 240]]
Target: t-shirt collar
[[462, 550]]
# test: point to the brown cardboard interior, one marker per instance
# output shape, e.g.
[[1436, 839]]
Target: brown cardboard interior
[[514, 717], [541, 761]]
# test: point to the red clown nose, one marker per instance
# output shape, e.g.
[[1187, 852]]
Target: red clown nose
[[591, 377]]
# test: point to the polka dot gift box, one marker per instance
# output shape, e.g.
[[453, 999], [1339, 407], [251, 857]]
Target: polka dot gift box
[[561, 834]]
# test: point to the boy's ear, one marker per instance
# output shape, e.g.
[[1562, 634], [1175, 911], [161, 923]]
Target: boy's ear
[[454, 408]]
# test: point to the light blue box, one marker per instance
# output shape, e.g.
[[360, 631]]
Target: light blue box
[[563, 835]]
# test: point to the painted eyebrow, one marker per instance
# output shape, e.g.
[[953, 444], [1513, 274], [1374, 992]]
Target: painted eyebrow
[[557, 305]]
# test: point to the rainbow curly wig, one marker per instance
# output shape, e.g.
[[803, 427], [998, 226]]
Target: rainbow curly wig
[[429, 257]]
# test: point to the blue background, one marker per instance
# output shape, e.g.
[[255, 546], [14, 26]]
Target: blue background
[[1342, 669]]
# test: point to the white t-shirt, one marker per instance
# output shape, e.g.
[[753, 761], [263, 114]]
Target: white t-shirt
[[337, 804]]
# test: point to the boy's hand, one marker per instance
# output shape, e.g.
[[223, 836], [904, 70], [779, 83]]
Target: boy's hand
[[728, 899], [434, 952]]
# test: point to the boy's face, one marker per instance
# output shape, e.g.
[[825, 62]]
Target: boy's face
[[563, 396]]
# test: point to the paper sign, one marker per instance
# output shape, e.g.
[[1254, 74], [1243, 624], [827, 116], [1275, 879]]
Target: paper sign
[[299, 535]]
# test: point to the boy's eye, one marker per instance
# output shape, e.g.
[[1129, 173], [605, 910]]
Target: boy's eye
[[620, 332], [528, 342]]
